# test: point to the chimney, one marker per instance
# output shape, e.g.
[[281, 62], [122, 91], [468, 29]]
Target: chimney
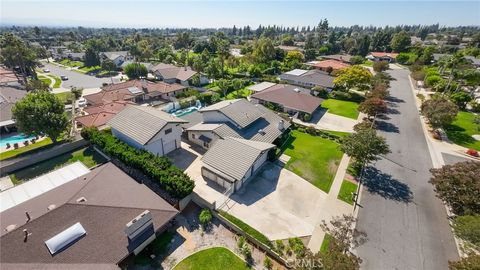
[[144, 84], [28, 216], [281, 125]]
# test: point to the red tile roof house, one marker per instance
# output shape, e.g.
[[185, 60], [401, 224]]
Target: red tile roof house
[[98, 116], [95, 221], [135, 91], [325, 65], [291, 98], [382, 56], [173, 74]]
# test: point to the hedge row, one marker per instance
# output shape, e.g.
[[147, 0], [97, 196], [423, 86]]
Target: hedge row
[[160, 169], [247, 229]]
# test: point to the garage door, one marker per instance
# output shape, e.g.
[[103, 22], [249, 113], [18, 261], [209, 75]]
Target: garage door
[[169, 146]]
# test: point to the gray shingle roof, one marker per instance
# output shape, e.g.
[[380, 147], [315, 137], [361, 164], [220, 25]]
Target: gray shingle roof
[[240, 111], [233, 156], [142, 123], [316, 77], [268, 123]]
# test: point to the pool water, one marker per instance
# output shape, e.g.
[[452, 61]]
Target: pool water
[[184, 112], [12, 139]]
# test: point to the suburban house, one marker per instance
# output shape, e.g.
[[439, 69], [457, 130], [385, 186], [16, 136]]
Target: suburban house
[[135, 91], [236, 118], [345, 58], [328, 65], [94, 221], [76, 56], [148, 128], [116, 57], [289, 98], [382, 56], [308, 78], [9, 95], [173, 74], [259, 87], [231, 162], [98, 116], [8, 77]]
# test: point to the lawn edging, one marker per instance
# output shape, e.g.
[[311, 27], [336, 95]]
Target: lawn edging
[[212, 247], [268, 248]]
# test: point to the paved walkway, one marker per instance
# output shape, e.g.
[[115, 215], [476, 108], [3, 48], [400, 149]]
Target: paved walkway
[[331, 207], [331, 122]]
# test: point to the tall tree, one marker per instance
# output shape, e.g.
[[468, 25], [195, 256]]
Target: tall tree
[[354, 76], [364, 146], [373, 106], [41, 112], [15, 53], [400, 42], [439, 111]]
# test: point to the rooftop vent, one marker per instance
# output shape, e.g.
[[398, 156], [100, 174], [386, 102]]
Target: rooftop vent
[[296, 90], [81, 199], [261, 131], [51, 207], [10, 227]]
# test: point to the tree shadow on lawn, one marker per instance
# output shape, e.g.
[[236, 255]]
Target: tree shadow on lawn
[[457, 135], [386, 127], [384, 185]]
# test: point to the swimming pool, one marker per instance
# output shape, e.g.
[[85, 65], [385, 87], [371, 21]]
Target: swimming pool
[[185, 111], [12, 139]]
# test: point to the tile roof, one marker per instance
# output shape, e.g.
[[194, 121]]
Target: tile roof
[[120, 91], [103, 217], [334, 64], [97, 119], [142, 123], [168, 71], [240, 111], [290, 97], [7, 76], [233, 156], [8, 97]]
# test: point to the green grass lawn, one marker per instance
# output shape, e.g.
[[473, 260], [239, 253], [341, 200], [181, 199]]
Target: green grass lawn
[[325, 243], [341, 107], [368, 63], [44, 79], [67, 62], [25, 149], [462, 129], [90, 69], [65, 97], [242, 93], [314, 158], [217, 258], [346, 190], [157, 247], [87, 156]]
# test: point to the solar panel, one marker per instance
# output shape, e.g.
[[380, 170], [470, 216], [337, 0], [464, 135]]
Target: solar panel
[[134, 90], [65, 238]]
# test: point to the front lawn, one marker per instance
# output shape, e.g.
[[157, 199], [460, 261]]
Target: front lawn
[[325, 243], [87, 156], [462, 129], [90, 69], [25, 149], [216, 258], [346, 190], [65, 97], [341, 107], [70, 63], [313, 158]]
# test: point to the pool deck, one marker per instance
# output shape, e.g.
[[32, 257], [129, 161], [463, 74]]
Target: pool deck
[[20, 145]]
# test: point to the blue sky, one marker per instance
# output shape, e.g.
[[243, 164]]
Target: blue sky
[[227, 13]]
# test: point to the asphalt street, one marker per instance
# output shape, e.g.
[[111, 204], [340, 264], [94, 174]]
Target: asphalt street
[[406, 224], [77, 79]]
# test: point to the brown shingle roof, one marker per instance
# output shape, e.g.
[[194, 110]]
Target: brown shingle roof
[[288, 97], [112, 200], [173, 72]]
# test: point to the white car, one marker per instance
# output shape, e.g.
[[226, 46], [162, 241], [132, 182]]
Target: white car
[[46, 70], [82, 102]]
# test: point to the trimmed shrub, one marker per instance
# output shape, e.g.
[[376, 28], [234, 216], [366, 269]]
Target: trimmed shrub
[[380, 66], [170, 178], [468, 228]]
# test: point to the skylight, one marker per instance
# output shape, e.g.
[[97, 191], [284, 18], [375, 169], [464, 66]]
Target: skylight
[[134, 90], [65, 238]]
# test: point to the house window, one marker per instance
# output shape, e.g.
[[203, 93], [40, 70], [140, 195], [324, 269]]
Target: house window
[[205, 144], [168, 131], [193, 136]]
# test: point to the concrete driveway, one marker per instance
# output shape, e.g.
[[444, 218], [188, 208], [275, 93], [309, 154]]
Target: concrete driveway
[[321, 119], [77, 79], [278, 203]]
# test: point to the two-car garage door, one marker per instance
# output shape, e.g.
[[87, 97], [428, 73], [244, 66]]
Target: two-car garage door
[[216, 178]]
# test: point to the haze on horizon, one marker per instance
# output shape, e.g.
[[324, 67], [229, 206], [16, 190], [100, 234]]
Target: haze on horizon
[[216, 14]]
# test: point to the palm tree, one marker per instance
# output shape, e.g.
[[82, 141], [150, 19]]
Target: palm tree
[[76, 94]]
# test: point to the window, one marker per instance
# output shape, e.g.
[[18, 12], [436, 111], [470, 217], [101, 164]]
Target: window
[[205, 145], [168, 131], [193, 136]]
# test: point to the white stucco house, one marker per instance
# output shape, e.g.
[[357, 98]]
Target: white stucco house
[[148, 128]]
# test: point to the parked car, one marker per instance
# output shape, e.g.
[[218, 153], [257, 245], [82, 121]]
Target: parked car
[[64, 78], [82, 102], [46, 70]]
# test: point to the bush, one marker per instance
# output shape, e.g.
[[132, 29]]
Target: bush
[[160, 169], [468, 228], [357, 60], [279, 246], [472, 262], [244, 248], [267, 263], [432, 80], [247, 229], [418, 75], [205, 217], [347, 96], [297, 246], [407, 58], [380, 66], [135, 70]]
